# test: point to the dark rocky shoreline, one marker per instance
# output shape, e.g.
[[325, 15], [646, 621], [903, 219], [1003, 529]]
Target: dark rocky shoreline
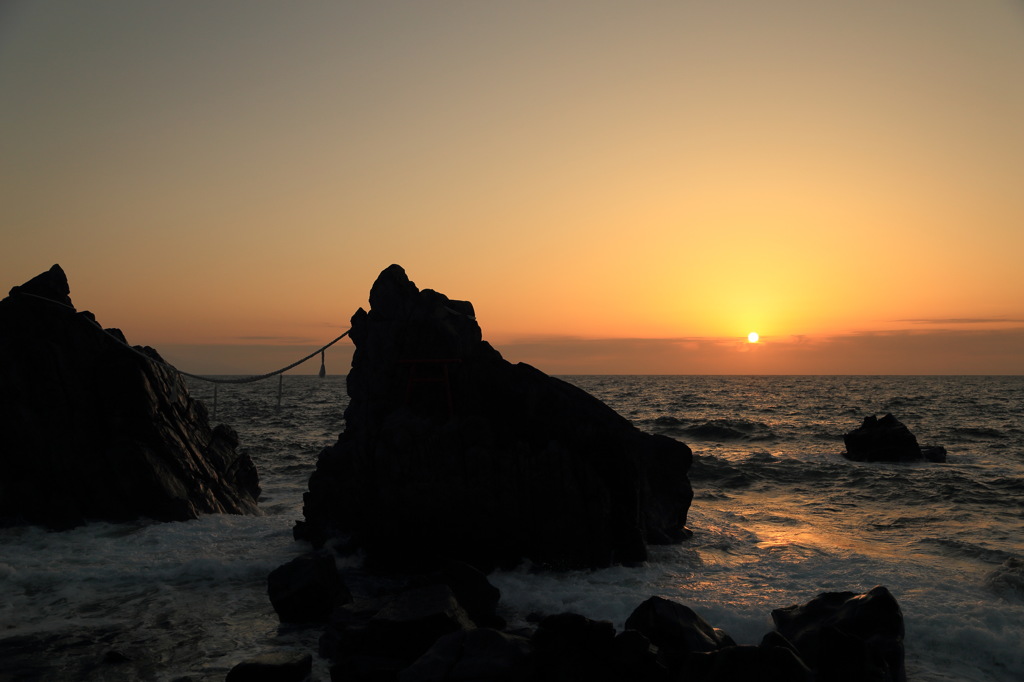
[[444, 626], [453, 462]]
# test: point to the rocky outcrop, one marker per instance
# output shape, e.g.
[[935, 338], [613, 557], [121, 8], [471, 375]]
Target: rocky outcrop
[[451, 451], [887, 440], [424, 635], [92, 429]]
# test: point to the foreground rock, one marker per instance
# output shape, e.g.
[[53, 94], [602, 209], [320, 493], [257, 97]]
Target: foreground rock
[[423, 634], [887, 440], [451, 451], [848, 636], [307, 589], [90, 429]]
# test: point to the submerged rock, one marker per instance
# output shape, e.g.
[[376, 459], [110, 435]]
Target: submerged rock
[[887, 440], [91, 429], [451, 451]]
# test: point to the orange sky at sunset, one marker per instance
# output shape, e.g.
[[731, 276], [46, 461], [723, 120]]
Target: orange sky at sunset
[[617, 187]]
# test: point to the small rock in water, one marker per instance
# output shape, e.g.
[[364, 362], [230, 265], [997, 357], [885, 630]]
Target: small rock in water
[[887, 440]]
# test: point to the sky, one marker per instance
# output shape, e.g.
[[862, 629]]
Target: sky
[[618, 187]]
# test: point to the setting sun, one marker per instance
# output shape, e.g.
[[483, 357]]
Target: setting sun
[[752, 337]]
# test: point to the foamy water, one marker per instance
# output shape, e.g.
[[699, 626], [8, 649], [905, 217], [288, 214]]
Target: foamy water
[[778, 517]]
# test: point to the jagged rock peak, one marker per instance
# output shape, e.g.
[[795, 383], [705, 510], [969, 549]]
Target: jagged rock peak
[[52, 284], [450, 451], [92, 429]]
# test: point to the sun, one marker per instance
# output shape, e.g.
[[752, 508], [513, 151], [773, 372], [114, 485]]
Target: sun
[[753, 337]]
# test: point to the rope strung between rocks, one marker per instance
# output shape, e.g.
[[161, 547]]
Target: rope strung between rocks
[[261, 377], [209, 379]]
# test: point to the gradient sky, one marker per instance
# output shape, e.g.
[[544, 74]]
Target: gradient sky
[[618, 187]]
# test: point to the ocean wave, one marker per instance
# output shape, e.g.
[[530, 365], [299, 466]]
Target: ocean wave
[[1008, 579], [976, 433], [711, 471], [1009, 484], [896, 521], [967, 550], [712, 430]]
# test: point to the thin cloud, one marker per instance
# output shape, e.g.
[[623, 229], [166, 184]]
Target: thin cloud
[[964, 320], [916, 351]]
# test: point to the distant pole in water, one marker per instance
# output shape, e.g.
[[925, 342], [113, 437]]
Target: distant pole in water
[[214, 402], [280, 383], [323, 367]]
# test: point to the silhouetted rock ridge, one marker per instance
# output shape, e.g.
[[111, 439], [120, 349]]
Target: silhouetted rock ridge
[[90, 429], [451, 451]]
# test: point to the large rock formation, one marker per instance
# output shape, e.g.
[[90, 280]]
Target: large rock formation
[[90, 429], [451, 451]]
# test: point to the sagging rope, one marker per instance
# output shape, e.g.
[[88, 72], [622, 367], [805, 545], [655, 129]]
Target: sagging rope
[[209, 379], [261, 377]]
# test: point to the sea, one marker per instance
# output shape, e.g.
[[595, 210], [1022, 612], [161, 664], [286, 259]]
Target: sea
[[778, 517]]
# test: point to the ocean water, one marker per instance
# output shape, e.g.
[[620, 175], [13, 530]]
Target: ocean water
[[778, 517]]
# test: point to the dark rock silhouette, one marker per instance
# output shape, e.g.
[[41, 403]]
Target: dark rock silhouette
[[418, 630], [887, 440], [307, 589], [451, 451], [676, 630], [90, 429], [481, 654], [568, 646], [376, 638], [847, 636], [761, 663]]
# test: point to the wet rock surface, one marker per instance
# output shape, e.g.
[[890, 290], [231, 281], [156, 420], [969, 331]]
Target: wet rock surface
[[90, 429], [847, 636]]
